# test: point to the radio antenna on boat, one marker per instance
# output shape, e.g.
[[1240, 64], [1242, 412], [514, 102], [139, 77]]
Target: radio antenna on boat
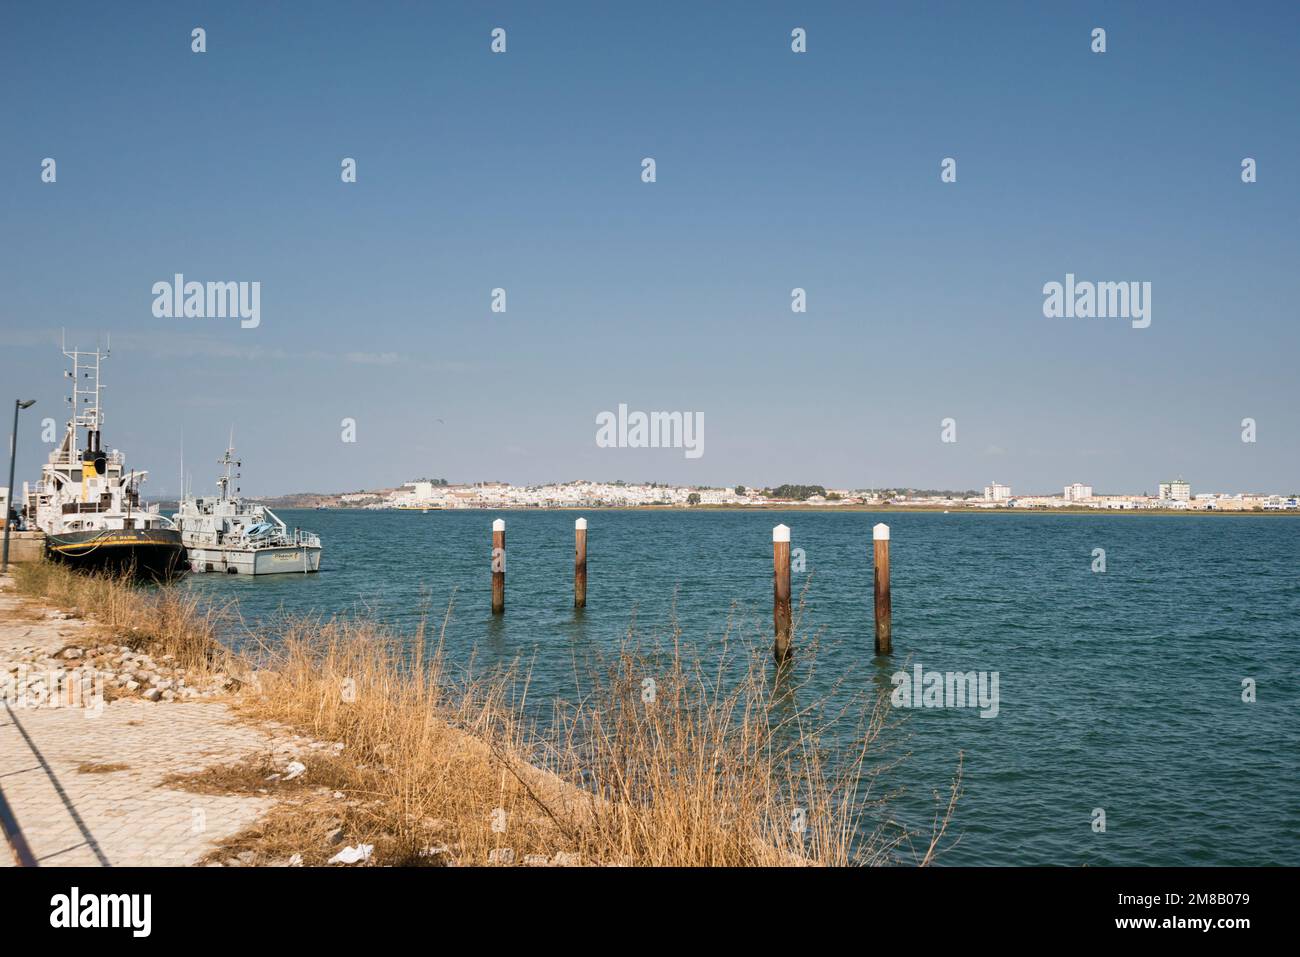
[[86, 391], [227, 460]]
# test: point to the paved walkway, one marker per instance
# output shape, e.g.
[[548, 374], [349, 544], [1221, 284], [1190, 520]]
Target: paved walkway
[[85, 784]]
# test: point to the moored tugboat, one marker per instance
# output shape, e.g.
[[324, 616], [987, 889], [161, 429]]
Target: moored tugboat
[[88, 504]]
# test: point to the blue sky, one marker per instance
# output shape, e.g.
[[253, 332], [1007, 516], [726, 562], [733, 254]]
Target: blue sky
[[775, 170]]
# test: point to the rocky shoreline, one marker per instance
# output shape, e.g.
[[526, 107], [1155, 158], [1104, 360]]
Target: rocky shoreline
[[90, 670]]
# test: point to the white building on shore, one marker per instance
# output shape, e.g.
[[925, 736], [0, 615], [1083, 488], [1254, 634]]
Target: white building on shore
[[1175, 491], [1078, 493], [997, 493]]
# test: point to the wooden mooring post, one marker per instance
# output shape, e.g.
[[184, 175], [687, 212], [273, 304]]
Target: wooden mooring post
[[498, 566], [884, 616], [580, 563], [781, 591]]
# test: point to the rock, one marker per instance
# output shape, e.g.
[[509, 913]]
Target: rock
[[295, 861], [566, 859], [247, 857], [72, 653], [132, 685], [294, 769], [153, 694], [168, 695], [335, 836]]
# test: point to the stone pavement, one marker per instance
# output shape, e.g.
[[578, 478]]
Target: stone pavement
[[85, 783]]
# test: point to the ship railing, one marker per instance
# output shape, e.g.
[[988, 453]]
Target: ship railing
[[64, 460], [296, 538]]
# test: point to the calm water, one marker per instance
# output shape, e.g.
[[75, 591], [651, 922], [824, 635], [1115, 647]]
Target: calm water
[[1119, 690]]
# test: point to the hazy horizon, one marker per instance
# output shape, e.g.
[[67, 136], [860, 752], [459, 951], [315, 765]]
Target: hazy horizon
[[775, 170]]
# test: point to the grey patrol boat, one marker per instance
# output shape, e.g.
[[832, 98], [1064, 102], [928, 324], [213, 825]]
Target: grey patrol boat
[[225, 534]]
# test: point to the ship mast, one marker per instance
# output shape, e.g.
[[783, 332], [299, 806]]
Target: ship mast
[[223, 481], [86, 410]]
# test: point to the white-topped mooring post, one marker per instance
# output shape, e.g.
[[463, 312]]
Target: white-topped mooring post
[[498, 566], [781, 591], [580, 563], [884, 615]]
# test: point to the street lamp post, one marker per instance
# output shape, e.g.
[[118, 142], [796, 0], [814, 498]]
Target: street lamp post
[[13, 454]]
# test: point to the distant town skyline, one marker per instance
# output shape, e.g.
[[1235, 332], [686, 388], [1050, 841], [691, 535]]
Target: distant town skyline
[[427, 494], [947, 243], [995, 491]]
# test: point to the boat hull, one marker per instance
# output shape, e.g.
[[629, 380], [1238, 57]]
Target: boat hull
[[276, 560], [148, 554]]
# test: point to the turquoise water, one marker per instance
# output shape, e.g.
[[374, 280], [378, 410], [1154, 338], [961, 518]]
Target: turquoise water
[[1120, 690]]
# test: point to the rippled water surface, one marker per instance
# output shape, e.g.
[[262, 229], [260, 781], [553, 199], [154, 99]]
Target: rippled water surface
[[1120, 691]]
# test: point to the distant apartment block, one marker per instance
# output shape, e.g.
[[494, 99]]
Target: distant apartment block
[[1077, 492], [997, 493], [1175, 491]]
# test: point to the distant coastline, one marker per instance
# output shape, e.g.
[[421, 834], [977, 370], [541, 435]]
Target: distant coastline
[[799, 507], [424, 495], [437, 494]]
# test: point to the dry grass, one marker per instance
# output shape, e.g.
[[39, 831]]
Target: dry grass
[[707, 766], [159, 620], [331, 805], [90, 767], [663, 760], [719, 765], [436, 762]]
